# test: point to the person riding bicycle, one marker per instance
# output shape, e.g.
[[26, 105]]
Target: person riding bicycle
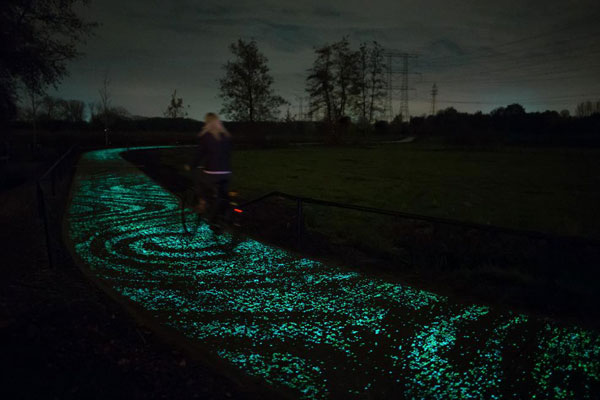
[[212, 171]]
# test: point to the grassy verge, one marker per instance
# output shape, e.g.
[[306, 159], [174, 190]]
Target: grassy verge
[[548, 190]]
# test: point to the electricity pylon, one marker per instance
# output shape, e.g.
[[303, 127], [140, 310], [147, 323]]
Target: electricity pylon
[[404, 87], [434, 92]]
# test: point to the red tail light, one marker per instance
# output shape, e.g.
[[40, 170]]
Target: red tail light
[[237, 210]]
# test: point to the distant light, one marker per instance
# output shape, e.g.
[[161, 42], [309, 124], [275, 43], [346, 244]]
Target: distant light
[[237, 210]]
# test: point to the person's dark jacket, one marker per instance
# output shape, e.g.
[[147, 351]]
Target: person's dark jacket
[[214, 152]]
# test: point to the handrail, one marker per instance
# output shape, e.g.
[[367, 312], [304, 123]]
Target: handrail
[[42, 201], [56, 163], [440, 220]]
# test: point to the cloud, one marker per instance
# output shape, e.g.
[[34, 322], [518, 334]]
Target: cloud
[[287, 37], [446, 47], [328, 12], [154, 46]]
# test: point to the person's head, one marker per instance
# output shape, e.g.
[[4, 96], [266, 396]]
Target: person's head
[[213, 125], [210, 117]]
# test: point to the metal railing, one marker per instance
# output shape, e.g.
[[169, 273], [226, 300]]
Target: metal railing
[[300, 201], [424, 244], [53, 176]]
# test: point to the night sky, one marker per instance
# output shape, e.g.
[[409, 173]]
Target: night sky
[[482, 54]]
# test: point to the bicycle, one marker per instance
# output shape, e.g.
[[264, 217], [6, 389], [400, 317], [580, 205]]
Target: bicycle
[[201, 210]]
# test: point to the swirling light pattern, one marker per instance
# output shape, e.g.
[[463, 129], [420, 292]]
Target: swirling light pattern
[[319, 330]]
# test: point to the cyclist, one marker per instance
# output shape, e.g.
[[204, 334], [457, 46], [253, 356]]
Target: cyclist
[[212, 171]]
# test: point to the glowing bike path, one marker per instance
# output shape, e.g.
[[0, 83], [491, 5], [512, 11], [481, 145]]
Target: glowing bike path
[[314, 329]]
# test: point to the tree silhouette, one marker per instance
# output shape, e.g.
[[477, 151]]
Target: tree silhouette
[[104, 106], [334, 84], [51, 108], [370, 82], [587, 108], [341, 81], [72, 110], [246, 89], [320, 84], [175, 108], [34, 89], [513, 110], [345, 73], [37, 39]]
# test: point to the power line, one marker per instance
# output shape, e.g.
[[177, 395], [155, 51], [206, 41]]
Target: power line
[[529, 76], [529, 67], [543, 62], [569, 26], [516, 55]]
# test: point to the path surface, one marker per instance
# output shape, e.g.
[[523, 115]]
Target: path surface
[[317, 330]]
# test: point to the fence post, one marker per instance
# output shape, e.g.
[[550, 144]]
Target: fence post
[[299, 222], [42, 205]]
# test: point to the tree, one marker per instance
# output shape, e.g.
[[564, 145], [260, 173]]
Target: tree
[[289, 117], [120, 112], [37, 39], [103, 109], [107, 119], [105, 99], [72, 110], [175, 108], [320, 84], [246, 89], [332, 83], [514, 110], [92, 107], [52, 108], [397, 120], [105, 112], [345, 73], [497, 112], [452, 113], [370, 82], [587, 108], [8, 107], [33, 89]]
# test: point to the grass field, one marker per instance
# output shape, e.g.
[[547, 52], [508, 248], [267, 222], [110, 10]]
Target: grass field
[[548, 190]]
